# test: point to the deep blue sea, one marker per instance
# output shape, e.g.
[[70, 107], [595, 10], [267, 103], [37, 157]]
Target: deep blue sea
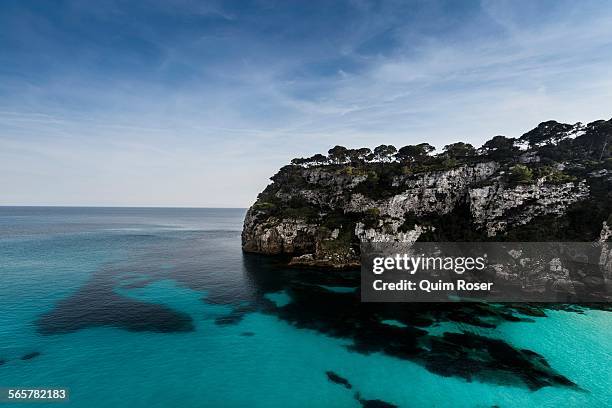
[[135, 307]]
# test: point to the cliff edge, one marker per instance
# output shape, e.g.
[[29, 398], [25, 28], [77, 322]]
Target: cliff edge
[[552, 183]]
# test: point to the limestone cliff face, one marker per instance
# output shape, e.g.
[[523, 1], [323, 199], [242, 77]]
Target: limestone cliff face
[[495, 207], [319, 213], [276, 235], [430, 192]]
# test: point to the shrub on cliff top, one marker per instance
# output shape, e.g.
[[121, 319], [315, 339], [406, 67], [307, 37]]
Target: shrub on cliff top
[[521, 174], [371, 217], [553, 175]]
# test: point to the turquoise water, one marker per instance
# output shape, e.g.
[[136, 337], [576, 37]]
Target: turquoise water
[[160, 308]]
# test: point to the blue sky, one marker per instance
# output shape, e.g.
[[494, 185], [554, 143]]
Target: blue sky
[[197, 103]]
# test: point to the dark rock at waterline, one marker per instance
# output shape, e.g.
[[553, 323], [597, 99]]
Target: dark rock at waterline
[[375, 403], [30, 356], [335, 378]]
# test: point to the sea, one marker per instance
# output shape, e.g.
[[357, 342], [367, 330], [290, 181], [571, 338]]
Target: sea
[[159, 307]]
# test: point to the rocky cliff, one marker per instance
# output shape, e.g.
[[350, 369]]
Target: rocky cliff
[[552, 183]]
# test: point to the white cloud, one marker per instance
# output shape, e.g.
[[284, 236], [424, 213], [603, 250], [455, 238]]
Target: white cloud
[[214, 140]]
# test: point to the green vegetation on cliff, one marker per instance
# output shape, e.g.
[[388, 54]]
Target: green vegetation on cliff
[[552, 183]]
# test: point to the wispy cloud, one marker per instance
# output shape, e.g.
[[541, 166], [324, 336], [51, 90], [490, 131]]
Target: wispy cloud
[[190, 103]]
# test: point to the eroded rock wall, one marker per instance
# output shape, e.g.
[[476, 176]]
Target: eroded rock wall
[[327, 192]]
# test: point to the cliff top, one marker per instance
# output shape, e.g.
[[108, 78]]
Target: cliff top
[[553, 182]]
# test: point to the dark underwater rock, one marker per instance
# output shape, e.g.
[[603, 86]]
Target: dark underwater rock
[[31, 355], [472, 357], [236, 315], [97, 304], [375, 403], [229, 319], [463, 355], [335, 378]]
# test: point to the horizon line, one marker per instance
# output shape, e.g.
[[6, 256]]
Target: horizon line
[[121, 206]]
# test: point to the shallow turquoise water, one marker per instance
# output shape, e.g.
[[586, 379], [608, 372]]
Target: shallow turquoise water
[[220, 350]]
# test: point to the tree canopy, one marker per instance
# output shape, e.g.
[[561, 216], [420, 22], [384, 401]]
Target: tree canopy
[[550, 141], [338, 154], [459, 150], [500, 147], [414, 153], [384, 152]]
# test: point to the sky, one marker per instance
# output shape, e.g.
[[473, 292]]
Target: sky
[[198, 103]]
